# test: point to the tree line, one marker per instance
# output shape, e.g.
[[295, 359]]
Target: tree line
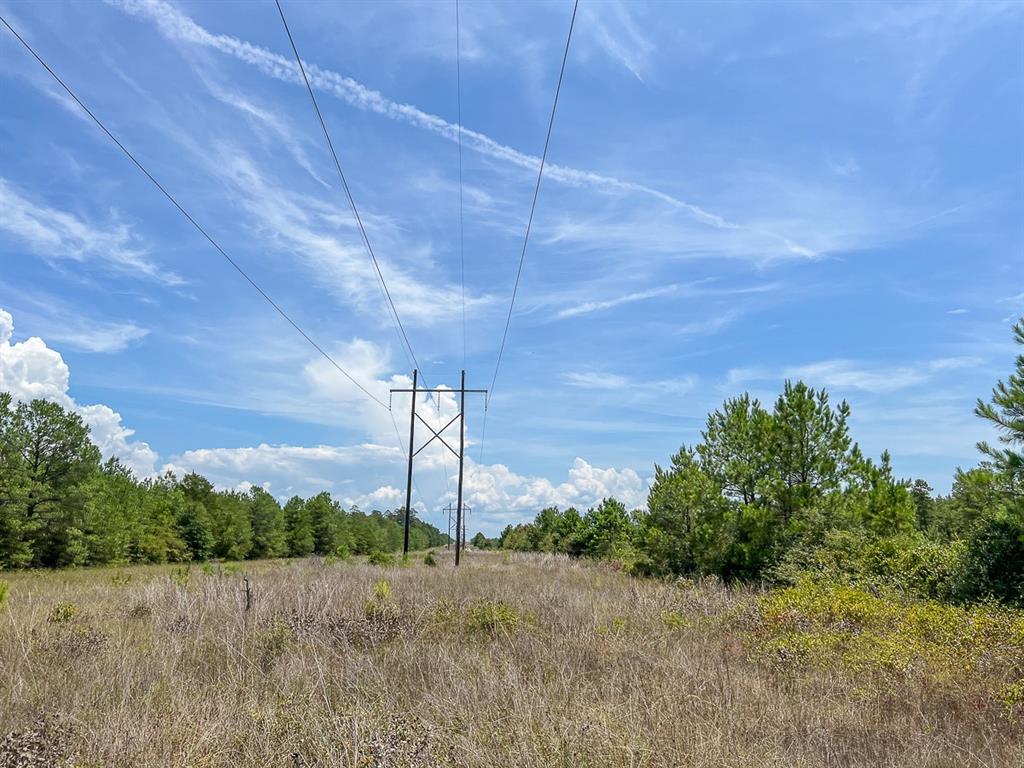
[[60, 505], [784, 493]]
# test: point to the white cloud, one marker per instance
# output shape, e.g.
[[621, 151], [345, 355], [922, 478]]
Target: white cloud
[[56, 234], [840, 374], [614, 381], [596, 306], [177, 26], [502, 495], [618, 35], [595, 380], [30, 370]]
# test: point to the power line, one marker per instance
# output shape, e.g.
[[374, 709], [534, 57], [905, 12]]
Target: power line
[[348, 193], [188, 216], [462, 229], [529, 225], [536, 193], [396, 319]]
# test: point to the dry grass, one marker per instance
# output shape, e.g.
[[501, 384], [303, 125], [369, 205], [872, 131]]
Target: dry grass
[[510, 661]]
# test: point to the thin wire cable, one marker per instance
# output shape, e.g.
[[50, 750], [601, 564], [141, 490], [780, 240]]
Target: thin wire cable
[[462, 229], [536, 193], [348, 193], [188, 216]]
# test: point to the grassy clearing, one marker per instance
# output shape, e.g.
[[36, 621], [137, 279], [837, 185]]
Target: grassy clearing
[[510, 661]]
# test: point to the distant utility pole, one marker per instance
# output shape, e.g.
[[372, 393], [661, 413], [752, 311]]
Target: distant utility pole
[[450, 509], [437, 435]]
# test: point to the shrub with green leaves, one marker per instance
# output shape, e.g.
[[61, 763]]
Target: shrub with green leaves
[[4, 589], [380, 603], [492, 617], [827, 624], [62, 613], [383, 559], [428, 559]]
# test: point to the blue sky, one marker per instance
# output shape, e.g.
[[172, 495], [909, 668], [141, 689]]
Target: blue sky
[[737, 193]]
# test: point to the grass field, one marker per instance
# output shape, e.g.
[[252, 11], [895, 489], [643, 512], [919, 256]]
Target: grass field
[[509, 661]]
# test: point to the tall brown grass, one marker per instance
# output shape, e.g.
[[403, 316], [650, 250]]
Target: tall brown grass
[[508, 661]]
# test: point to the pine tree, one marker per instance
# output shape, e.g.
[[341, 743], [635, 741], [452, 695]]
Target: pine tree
[[1006, 412]]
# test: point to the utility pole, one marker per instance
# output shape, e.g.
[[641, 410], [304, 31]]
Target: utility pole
[[460, 533], [462, 449], [408, 478], [449, 509]]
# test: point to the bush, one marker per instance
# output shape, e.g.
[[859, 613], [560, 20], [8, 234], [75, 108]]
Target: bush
[[62, 613], [910, 564], [429, 559], [380, 603], [994, 561], [383, 559], [829, 624], [4, 589], [491, 617]]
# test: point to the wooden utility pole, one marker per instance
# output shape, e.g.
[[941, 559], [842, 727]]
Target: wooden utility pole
[[460, 534]]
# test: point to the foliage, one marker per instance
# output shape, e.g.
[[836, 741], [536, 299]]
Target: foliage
[[383, 559], [786, 495], [62, 613], [1006, 411], [60, 506], [826, 624], [492, 617], [429, 559]]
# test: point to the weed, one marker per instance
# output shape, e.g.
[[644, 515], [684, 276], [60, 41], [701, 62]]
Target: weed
[[492, 617], [428, 559], [380, 603], [4, 589], [272, 643], [62, 613], [121, 579], [181, 576], [675, 620]]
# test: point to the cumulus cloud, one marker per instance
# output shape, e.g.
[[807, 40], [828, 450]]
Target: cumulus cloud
[[30, 370], [504, 495]]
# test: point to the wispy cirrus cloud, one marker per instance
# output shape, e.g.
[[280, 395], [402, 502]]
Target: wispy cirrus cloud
[[177, 26], [596, 306], [850, 374], [54, 234], [618, 35], [617, 382]]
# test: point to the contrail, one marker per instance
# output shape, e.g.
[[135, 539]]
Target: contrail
[[177, 26]]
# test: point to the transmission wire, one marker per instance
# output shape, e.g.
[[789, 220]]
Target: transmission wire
[[188, 216]]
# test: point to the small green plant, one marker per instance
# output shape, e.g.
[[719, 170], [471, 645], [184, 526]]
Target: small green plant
[[383, 559], [674, 620], [272, 644], [121, 579], [380, 602], [181, 576], [1012, 698], [4, 589], [340, 555], [62, 613], [428, 559], [493, 617]]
